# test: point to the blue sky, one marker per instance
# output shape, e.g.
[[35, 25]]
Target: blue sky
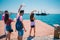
[[50, 6]]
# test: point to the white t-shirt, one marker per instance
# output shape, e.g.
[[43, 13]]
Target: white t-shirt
[[21, 19]]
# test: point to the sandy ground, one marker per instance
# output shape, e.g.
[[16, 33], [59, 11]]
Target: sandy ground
[[42, 29]]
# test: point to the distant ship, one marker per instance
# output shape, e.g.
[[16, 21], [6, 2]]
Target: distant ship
[[42, 13]]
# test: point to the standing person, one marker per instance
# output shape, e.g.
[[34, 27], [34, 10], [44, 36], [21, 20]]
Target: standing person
[[3, 16], [19, 23], [8, 21], [32, 20]]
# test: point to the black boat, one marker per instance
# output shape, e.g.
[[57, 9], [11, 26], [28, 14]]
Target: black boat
[[42, 13]]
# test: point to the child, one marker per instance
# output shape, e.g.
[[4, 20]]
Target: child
[[32, 20], [19, 24], [3, 16], [8, 21]]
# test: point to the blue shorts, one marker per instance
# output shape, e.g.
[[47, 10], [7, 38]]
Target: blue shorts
[[20, 33], [8, 28]]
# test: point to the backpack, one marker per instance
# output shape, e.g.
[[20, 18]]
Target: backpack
[[19, 25]]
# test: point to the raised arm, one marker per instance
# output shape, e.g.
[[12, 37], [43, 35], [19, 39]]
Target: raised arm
[[20, 8], [34, 11]]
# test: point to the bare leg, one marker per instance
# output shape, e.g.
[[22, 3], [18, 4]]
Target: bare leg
[[6, 36], [20, 37], [30, 31], [34, 31], [9, 35]]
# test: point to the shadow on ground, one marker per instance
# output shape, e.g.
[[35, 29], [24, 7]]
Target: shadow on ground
[[30, 37], [2, 36]]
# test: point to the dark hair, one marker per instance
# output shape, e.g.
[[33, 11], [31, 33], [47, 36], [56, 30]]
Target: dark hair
[[31, 16], [6, 12], [22, 12], [6, 17]]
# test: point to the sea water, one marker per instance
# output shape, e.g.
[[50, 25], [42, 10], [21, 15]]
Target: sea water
[[49, 19]]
